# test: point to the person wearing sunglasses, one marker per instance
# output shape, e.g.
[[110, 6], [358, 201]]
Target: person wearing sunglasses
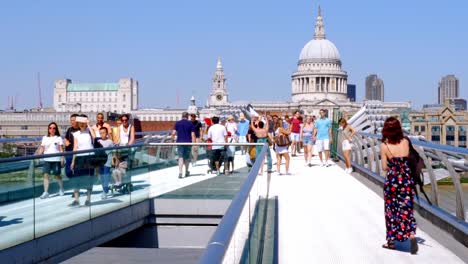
[[125, 132], [52, 144]]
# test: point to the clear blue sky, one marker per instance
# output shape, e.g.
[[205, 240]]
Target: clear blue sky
[[173, 45]]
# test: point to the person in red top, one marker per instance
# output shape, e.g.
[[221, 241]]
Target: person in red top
[[295, 123]]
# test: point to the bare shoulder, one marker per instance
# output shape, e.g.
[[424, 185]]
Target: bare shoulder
[[383, 148]]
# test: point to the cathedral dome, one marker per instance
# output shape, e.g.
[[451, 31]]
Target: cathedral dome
[[320, 50]]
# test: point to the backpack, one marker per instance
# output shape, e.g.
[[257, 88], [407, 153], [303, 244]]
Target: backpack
[[282, 140], [416, 164]]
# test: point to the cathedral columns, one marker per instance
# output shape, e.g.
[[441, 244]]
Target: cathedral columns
[[311, 84]]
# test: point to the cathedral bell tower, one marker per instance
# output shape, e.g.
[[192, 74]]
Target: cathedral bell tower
[[219, 95]]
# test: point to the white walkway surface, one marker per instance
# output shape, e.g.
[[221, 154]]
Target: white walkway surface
[[327, 216]]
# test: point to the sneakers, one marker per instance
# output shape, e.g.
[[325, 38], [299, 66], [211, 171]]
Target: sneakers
[[310, 164], [187, 173], [87, 203], [104, 196], [349, 170], [322, 164], [61, 192], [75, 203], [180, 175], [44, 195]]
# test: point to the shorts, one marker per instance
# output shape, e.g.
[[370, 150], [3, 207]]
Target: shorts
[[242, 139], [83, 166], [307, 140], [184, 152], [295, 137], [218, 154], [346, 145], [52, 167], [322, 144]]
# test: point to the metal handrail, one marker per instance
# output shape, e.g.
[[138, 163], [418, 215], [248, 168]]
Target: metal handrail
[[429, 152], [219, 243]]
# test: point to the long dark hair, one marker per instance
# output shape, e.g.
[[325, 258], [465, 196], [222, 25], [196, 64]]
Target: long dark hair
[[392, 132], [57, 133]]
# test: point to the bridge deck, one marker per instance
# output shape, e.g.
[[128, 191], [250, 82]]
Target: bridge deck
[[327, 216]]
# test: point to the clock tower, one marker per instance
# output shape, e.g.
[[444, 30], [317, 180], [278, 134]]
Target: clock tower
[[219, 95]]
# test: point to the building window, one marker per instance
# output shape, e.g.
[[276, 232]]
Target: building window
[[123, 106], [60, 98], [416, 128], [423, 128], [124, 98], [24, 127], [434, 118]]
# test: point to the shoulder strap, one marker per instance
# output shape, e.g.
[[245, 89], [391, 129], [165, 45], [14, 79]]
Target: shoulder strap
[[389, 150]]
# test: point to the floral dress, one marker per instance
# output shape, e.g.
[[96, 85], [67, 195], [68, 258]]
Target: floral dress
[[399, 198]]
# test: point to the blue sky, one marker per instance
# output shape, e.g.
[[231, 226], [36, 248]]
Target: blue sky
[[171, 47]]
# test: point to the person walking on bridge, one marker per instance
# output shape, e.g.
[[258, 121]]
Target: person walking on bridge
[[261, 132], [348, 134], [52, 144], [307, 132], [185, 132], [399, 186], [323, 134]]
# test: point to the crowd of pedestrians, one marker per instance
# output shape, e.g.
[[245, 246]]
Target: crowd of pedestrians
[[92, 163], [285, 136]]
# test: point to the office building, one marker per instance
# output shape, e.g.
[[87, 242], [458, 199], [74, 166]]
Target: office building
[[374, 88], [448, 88], [352, 92]]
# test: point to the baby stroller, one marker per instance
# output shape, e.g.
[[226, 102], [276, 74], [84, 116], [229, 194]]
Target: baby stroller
[[122, 181]]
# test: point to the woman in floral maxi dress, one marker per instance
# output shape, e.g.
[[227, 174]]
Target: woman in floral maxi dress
[[399, 186]]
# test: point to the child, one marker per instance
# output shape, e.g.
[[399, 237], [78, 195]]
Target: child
[[229, 160], [104, 171], [120, 167]]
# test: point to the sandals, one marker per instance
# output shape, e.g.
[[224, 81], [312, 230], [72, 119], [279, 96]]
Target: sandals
[[389, 245], [414, 246]]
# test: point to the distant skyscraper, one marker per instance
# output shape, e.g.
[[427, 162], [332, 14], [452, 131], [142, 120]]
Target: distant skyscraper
[[352, 92], [448, 88], [374, 88]]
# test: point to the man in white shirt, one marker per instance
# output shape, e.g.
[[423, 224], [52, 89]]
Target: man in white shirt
[[218, 134]]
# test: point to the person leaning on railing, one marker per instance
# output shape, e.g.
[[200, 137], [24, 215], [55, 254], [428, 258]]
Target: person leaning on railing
[[52, 144], [399, 186]]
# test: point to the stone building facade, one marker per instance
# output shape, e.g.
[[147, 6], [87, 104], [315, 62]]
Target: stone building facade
[[120, 97], [444, 126]]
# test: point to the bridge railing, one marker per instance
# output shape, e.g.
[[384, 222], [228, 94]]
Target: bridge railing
[[440, 161], [145, 171], [232, 241]]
